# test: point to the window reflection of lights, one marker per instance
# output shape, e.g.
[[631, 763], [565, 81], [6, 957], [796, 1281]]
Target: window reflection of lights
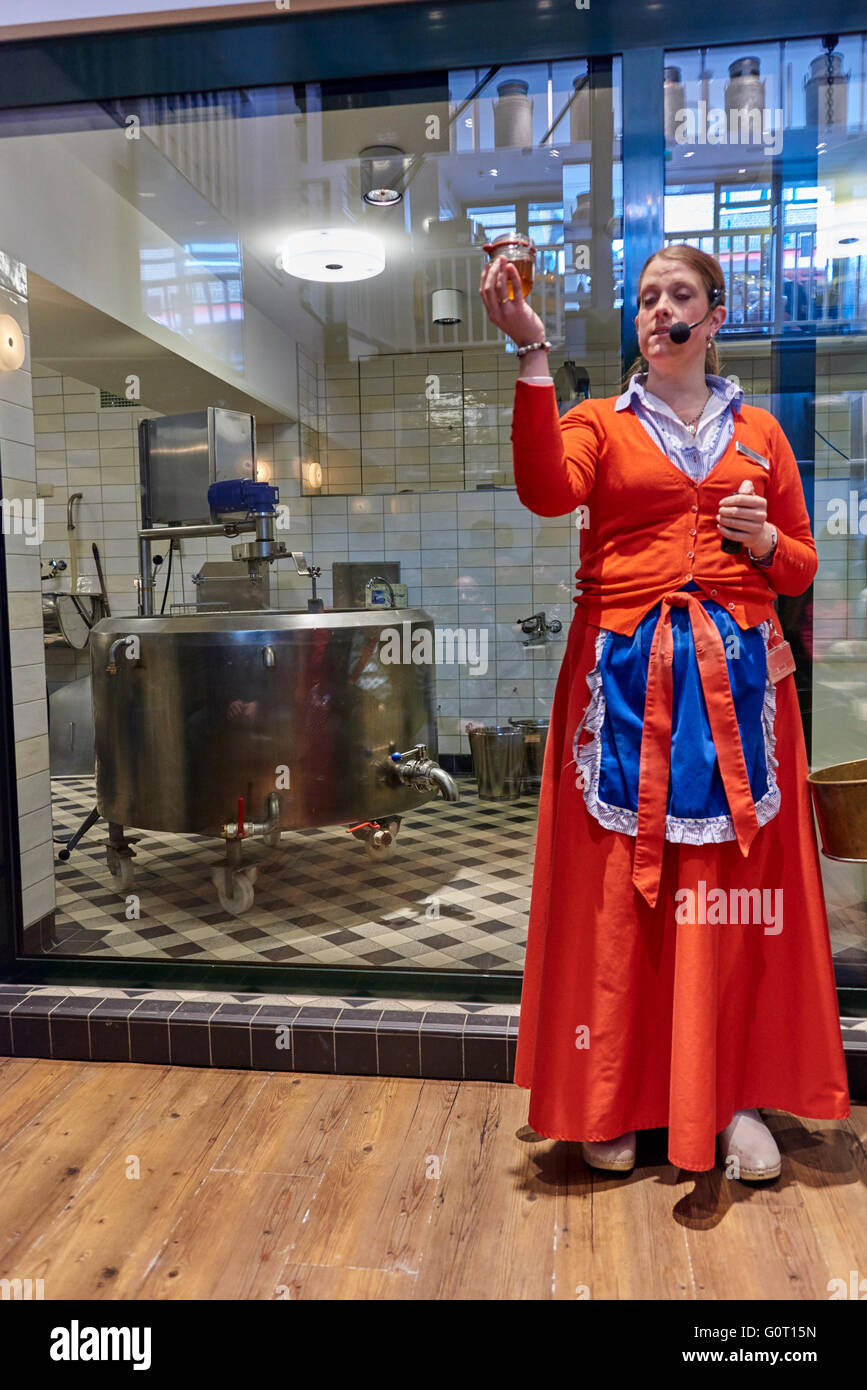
[[195, 287], [494, 220], [689, 212], [807, 193], [495, 172], [334, 254]]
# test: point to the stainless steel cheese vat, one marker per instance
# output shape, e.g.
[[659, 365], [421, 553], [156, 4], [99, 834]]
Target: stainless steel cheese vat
[[203, 709]]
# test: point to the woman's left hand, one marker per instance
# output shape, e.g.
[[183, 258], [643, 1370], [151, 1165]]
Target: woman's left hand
[[743, 516]]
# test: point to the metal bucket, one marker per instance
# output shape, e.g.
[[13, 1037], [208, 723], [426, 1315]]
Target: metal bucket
[[535, 732], [498, 760], [840, 798]]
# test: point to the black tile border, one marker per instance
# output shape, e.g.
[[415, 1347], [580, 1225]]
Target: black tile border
[[446, 1043]]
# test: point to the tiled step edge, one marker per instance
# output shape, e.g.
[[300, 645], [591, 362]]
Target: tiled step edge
[[287, 1037], [261, 1036]]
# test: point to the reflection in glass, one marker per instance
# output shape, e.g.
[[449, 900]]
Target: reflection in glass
[[789, 227]]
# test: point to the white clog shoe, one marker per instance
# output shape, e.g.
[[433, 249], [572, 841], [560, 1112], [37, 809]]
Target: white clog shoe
[[614, 1155], [748, 1140]]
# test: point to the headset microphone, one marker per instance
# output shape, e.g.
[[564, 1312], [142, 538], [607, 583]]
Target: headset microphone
[[680, 331]]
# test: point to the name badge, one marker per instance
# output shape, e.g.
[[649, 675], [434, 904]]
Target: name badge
[[751, 454]]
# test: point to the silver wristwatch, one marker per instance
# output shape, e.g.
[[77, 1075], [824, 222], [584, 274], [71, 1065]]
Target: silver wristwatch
[[766, 559], [532, 347]]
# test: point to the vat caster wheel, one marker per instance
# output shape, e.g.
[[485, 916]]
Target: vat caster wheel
[[242, 896], [382, 851], [121, 869], [375, 851]]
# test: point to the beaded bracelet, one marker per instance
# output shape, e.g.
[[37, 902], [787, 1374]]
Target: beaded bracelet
[[532, 347]]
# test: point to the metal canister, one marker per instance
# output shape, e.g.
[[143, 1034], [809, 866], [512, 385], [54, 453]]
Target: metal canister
[[513, 116], [498, 760], [826, 94], [745, 93], [840, 800], [535, 733], [674, 101]]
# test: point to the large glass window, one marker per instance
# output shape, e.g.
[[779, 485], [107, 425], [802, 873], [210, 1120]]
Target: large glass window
[[150, 255]]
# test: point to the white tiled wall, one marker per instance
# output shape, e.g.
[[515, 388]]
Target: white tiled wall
[[82, 448], [424, 420], [18, 471]]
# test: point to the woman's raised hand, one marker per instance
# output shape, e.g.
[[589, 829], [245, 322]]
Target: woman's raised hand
[[513, 316]]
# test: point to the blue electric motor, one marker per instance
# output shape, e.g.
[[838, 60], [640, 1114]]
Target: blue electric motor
[[242, 495]]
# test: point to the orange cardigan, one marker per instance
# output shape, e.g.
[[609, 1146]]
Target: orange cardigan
[[646, 528]]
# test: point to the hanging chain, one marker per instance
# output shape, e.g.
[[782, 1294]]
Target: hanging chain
[[829, 96]]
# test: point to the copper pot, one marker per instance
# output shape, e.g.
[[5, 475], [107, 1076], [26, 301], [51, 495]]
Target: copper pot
[[840, 799]]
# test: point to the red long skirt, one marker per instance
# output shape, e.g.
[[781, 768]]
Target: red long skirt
[[631, 1020]]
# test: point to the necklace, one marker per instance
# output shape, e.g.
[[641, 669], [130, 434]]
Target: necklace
[[692, 423]]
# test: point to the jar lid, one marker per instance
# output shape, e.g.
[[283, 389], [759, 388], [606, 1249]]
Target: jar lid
[[744, 67], [509, 239], [671, 74]]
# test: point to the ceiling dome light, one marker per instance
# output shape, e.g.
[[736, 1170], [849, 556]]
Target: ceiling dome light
[[383, 171], [332, 254]]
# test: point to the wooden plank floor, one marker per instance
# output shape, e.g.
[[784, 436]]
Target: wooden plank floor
[[256, 1185]]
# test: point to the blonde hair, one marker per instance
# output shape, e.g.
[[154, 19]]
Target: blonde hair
[[710, 272]]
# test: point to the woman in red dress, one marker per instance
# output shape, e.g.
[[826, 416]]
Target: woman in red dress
[[678, 970]]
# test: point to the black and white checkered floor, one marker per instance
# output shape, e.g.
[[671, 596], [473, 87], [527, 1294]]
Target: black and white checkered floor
[[453, 894]]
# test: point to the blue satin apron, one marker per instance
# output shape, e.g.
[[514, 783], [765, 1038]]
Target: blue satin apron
[[697, 810]]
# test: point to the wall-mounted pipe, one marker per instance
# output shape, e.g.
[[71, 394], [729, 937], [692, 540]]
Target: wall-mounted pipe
[[70, 536]]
